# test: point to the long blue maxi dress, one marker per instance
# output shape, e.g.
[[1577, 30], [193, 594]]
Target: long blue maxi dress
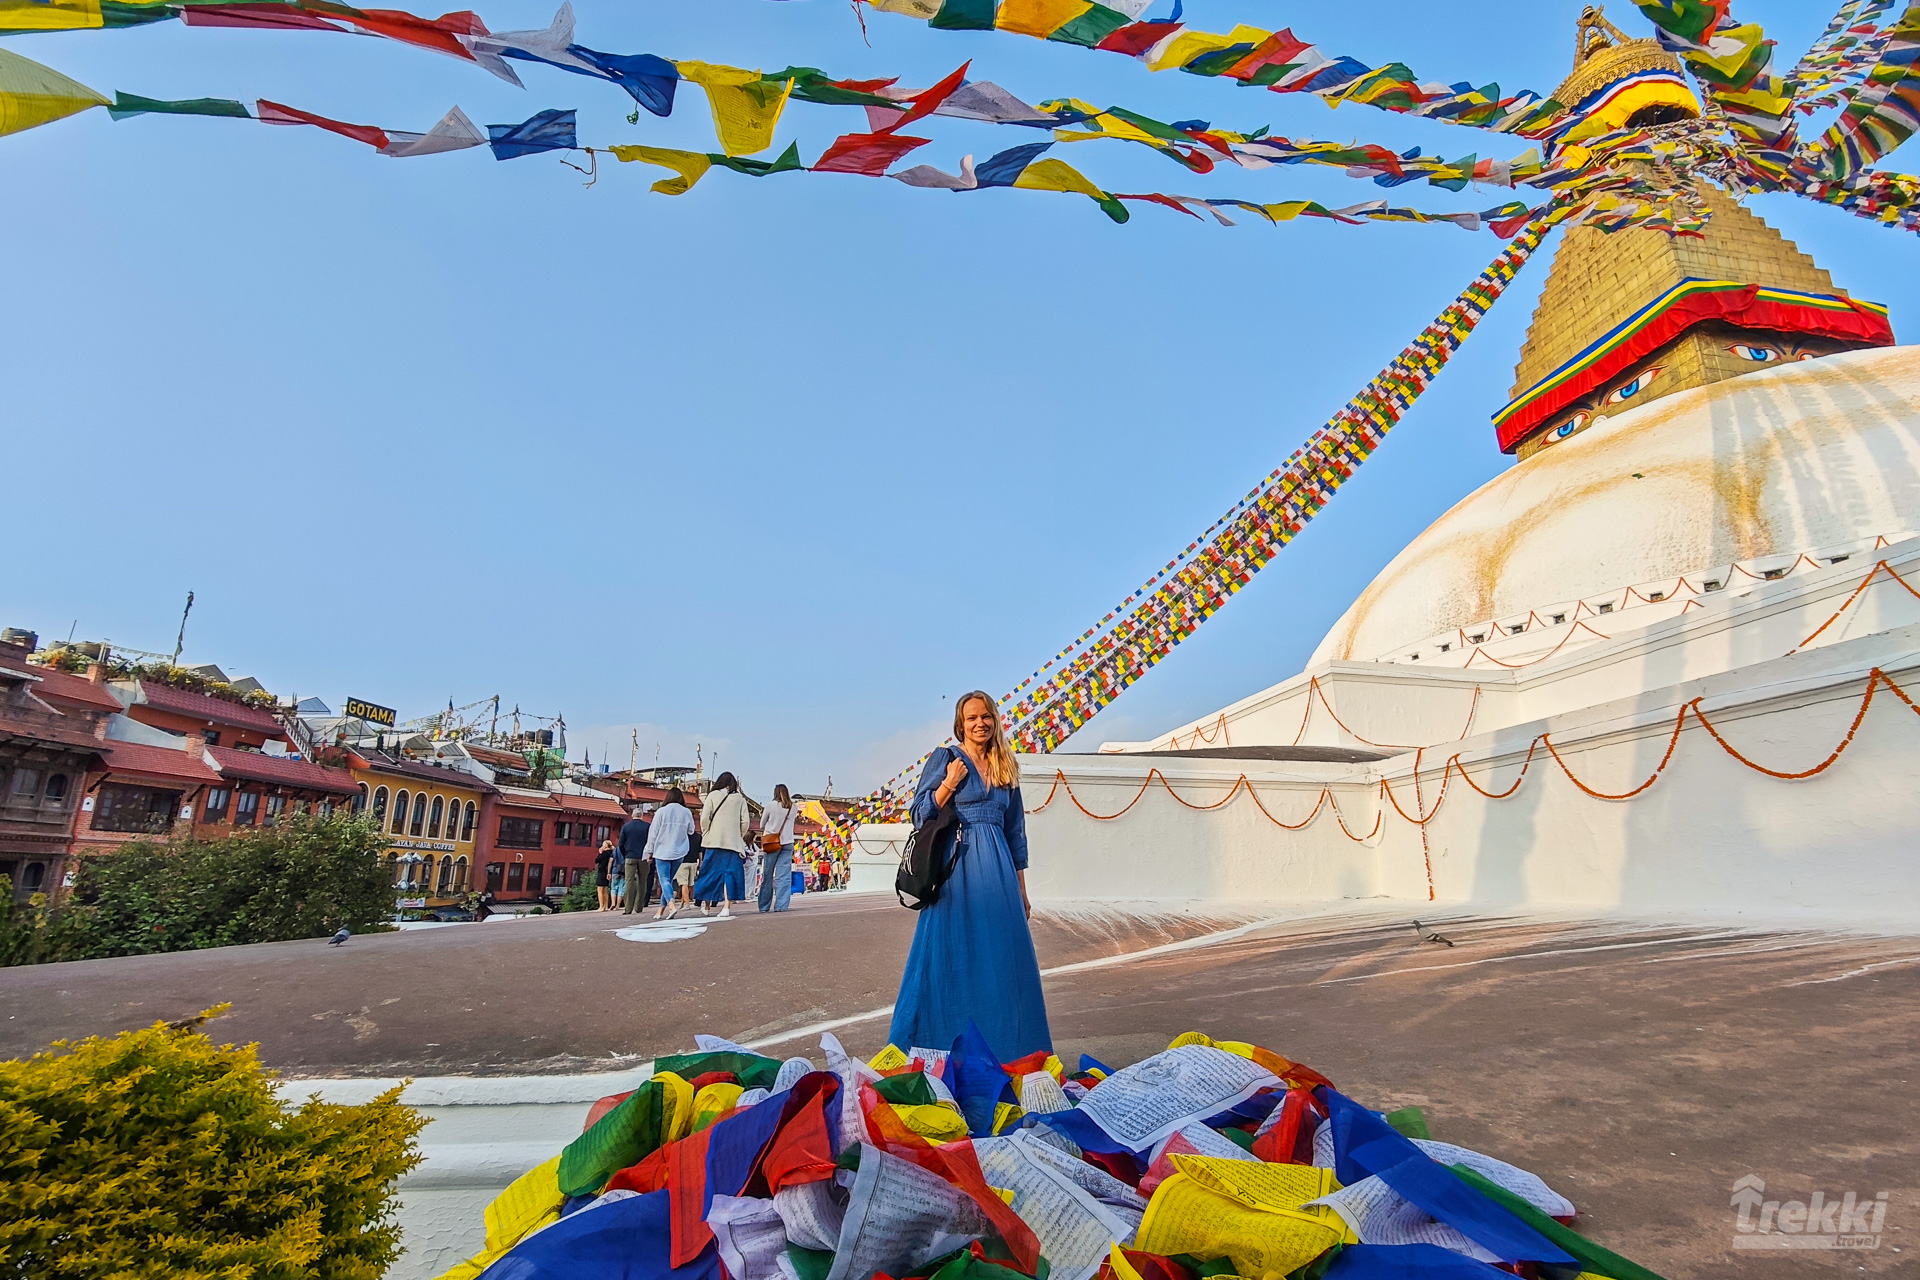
[[972, 954]]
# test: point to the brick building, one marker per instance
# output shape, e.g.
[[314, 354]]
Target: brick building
[[46, 753]]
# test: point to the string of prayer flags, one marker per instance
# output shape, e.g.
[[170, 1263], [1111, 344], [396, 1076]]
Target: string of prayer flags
[[1274, 60], [745, 105], [33, 95], [1884, 111], [1845, 51], [1242, 542]]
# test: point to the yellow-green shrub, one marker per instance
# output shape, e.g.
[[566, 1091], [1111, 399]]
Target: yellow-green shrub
[[159, 1153]]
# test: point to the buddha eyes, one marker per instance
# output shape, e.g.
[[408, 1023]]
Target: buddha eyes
[[1570, 426], [1634, 388], [1759, 355]]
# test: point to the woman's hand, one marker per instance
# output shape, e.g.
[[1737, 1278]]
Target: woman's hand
[[956, 776]]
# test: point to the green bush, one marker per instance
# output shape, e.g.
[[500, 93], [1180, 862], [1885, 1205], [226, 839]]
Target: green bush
[[581, 897], [304, 877], [158, 1153]]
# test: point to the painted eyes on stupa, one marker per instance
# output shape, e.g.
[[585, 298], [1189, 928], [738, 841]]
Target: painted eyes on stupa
[[1757, 354], [1571, 425], [1626, 391]]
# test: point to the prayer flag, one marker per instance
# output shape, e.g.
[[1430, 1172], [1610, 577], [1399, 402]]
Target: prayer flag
[[277, 113], [547, 131], [32, 95], [690, 165], [745, 106], [866, 153], [127, 105]]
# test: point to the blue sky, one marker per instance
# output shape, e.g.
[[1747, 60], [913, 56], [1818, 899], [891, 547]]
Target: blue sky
[[778, 466]]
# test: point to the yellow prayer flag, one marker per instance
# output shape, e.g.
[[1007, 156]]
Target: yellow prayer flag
[[888, 1059], [1057, 175], [1004, 1114], [745, 107], [49, 15], [31, 94], [934, 1120], [1039, 18], [921, 9], [690, 165], [531, 1201], [1188, 1216], [1188, 45], [714, 1101], [676, 1109]]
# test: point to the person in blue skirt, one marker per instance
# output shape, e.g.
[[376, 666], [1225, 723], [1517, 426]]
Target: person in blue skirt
[[972, 955]]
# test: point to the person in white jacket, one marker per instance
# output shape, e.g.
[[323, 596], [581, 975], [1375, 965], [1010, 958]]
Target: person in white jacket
[[723, 836], [667, 843]]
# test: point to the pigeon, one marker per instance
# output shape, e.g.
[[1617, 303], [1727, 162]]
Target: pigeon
[[1421, 931], [346, 933]]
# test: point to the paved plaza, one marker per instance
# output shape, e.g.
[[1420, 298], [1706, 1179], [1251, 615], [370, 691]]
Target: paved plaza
[[1641, 1068]]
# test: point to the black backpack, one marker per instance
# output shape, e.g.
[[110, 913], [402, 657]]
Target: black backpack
[[928, 859]]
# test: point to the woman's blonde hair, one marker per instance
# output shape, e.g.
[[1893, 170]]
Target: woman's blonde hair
[[1002, 769]]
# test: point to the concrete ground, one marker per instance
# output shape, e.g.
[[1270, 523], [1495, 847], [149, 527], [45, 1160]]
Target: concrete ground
[[1640, 1068]]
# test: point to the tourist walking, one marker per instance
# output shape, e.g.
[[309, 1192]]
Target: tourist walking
[[723, 837], [776, 850], [603, 876], [633, 856], [972, 956], [667, 842]]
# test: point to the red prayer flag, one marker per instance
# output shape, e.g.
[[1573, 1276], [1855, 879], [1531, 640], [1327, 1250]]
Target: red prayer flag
[[866, 153], [801, 1150], [253, 15], [603, 1106], [1136, 38], [648, 1176], [687, 1196], [931, 98], [276, 113]]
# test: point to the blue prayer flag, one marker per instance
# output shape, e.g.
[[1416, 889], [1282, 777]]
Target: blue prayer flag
[[548, 131], [1407, 1262]]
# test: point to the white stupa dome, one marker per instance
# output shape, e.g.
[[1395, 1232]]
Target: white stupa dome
[[1790, 458]]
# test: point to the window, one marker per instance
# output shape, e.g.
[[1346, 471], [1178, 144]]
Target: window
[[139, 809], [400, 810], [1607, 607], [33, 876], [216, 806], [212, 737], [460, 876], [276, 805], [446, 875], [433, 821], [495, 870], [393, 868], [426, 874], [605, 831], [246, 807], [466, 826], [56, 788], [522, 833], [579, 874], [419, 813], [1559, 618], [326, 807], [379, 806], [534, 877], [514, 872], [563, 833], [1713, 584], [26, 782]]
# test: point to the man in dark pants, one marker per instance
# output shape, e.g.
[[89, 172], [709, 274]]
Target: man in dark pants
[[633, 850]]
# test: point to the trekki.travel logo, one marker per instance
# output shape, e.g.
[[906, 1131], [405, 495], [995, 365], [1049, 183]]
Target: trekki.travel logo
[[1850, 1222]]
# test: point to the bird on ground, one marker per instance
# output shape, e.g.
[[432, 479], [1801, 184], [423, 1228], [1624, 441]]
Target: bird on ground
[[340, 937], [1427, 935]]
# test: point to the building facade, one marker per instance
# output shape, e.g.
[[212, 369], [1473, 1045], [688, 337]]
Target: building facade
[[46, 754], [544, 842], [432, 817]]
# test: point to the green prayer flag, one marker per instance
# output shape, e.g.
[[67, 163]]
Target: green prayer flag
[[1239, 1138], [126, 105], [788, 162], [624, 1136], [1410, 1121], [1589, 1255], [752, 1070], [810, 1264], [964, 15], [1091, 27], [908, 1089]]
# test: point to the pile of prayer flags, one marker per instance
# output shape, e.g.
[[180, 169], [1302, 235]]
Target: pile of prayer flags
[[1211, 1158]]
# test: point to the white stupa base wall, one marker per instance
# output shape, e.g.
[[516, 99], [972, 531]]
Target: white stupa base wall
[[1709, 833]]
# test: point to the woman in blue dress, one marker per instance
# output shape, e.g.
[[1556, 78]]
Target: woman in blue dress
[[972, 955]]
